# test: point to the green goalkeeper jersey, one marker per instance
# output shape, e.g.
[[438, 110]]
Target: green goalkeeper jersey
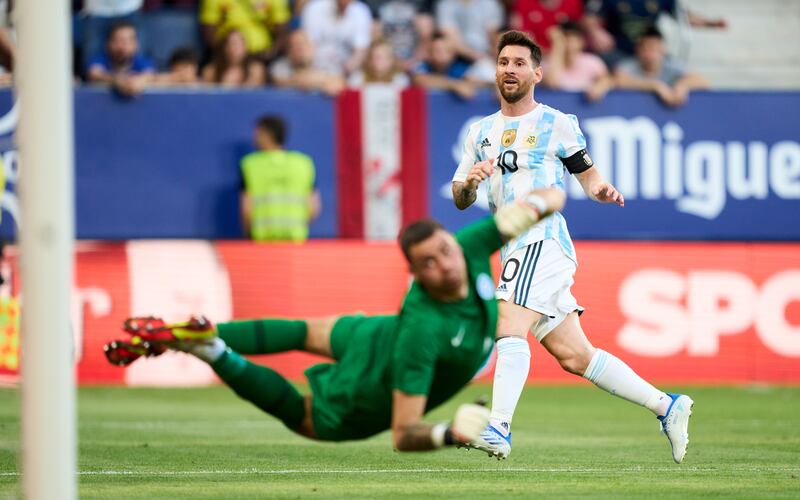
[[431, 348]]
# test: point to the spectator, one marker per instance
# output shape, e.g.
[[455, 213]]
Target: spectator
[[407, 25], [381, 66], [568, 67], [7, 54], [341, 31], [183, 69], [614, 26], [262, 23], [470, 24], [297, 69], [653, 71], [232, 66], [279, 199], [538, 16], [99, 16], [121, 65], [442, 70]]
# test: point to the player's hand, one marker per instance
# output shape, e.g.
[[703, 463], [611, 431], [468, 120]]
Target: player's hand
[[469, 422], [606, 193], [478, 173]]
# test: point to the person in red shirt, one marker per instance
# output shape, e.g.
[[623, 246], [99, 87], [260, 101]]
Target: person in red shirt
[[537, 16]]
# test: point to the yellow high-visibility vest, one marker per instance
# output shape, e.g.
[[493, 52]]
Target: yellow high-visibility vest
[[279, 184]]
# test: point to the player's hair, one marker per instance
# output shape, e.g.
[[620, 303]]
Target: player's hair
[[652, 32], [119, 25], [417, 232], [523, 39], [273, 125], [183, 55]]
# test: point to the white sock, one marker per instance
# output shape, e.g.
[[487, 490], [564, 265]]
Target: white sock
[[611, 374], [210, 351], [510, 374]]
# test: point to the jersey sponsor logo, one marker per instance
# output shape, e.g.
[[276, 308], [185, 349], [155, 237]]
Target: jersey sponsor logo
[[485, 143], [485, 286], [459, 338], [509, 136], [502, 288], [530, 141]]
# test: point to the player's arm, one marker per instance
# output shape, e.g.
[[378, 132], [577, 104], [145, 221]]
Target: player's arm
[[516, 218], [466, 192], [578, 163], [597, 188], [470, 172], [410, 433], [484, 237]]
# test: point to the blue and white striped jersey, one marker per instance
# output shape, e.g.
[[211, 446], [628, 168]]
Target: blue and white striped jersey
[[526, 149]]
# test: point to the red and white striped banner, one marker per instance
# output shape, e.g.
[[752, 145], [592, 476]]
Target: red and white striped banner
[[381, 161]]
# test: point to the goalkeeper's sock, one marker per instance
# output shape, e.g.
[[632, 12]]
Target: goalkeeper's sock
[[263, 336], [510, 374], [208, 351], [611, 374], [262, 386]]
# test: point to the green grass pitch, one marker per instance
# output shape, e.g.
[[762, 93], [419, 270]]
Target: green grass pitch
[[569, 441]]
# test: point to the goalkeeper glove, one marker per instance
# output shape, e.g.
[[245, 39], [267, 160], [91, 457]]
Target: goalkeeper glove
[[470, 420], [514, 219]]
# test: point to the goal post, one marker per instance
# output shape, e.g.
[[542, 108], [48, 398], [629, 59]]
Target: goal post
[[43, 77]]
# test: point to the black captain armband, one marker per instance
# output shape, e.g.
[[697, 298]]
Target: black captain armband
[[579, 162]]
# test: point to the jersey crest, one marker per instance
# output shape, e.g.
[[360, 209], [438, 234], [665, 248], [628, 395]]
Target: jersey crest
[[509, 136], [485, 286]]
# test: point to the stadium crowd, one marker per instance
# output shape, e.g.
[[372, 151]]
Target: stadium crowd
[[590, 46]]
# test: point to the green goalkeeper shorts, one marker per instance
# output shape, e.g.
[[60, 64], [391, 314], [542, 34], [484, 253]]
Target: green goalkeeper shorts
[[352, 398]]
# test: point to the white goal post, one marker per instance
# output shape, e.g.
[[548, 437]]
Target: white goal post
[[43, 78]]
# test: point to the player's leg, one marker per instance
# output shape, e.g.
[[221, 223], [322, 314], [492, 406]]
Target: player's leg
[[262, 386], [568, 343], [513, 360], [513, 352], [573, 351], [266, 389], [270, 335]]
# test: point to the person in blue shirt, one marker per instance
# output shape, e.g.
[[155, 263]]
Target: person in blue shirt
[[121, 64], [443, 70]]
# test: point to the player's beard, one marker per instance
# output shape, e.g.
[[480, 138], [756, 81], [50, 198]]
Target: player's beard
[[523, 89]]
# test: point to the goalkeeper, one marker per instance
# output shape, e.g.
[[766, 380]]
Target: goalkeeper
[[389, 370]]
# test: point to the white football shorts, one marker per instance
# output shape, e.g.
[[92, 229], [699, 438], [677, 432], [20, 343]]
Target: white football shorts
[[539, 277]]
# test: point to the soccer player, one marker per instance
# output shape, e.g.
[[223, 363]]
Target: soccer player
[[388, 370], [529, 145]]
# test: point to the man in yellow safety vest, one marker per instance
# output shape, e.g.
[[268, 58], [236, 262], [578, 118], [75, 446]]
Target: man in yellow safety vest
[[279, 198]]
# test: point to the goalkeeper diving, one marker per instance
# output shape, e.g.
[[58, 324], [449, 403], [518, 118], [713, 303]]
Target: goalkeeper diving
[[386, 372]]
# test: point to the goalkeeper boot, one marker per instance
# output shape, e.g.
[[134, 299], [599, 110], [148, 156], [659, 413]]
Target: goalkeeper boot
[[123, 353], [493, 442], [184, 336], [675, 424]]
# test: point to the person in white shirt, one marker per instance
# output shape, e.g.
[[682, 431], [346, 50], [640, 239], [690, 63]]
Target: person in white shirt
[[528, 145], [341, 31]]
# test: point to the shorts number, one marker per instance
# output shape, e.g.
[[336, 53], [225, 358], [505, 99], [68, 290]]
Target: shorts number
[[508, 268], [507, 161]]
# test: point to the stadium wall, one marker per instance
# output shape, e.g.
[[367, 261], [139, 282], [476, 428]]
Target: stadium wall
[[165, 165], [676, 312]]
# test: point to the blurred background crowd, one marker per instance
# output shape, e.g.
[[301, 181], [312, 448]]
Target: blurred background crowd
[[590, 46]]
